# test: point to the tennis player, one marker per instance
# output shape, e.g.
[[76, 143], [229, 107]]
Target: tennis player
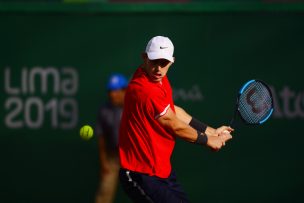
[[149, 126]]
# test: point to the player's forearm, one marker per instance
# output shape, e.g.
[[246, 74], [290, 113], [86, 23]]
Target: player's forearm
[[184, 131], [178, 127], [194, 123], [182, 115]]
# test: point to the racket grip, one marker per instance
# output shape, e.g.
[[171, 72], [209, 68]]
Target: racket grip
[[232, 123]]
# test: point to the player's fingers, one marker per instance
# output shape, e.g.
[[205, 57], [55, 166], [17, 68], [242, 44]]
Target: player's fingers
[[228, 136], [224, 127], [230, 129], [226, 133], [225, 137]]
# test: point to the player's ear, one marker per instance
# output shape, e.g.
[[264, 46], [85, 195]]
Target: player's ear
[[144, 56]]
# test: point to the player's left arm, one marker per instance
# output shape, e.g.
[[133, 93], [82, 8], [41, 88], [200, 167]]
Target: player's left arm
[[184, 131]]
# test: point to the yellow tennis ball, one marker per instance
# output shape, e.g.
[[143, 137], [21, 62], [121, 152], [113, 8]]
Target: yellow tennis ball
[[86, 132]]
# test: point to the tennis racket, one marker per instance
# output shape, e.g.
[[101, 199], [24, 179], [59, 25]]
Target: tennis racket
[[254, 103]]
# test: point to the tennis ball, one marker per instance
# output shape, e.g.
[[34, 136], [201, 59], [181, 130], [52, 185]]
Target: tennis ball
[[86, 132]]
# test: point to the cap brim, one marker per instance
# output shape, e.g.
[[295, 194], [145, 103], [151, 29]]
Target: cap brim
[[154, 56]]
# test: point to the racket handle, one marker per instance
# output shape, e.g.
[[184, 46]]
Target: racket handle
[[232, 124], [233, 120]]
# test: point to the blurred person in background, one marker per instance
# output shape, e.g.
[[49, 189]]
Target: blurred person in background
[[107, 127]]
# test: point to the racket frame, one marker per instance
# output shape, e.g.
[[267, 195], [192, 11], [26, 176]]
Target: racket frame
[[237, 112]]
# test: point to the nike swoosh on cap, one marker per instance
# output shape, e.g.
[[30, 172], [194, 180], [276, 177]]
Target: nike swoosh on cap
[[163, 47]]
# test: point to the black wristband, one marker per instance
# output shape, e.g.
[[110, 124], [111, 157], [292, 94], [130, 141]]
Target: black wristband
[[202, 138], [197, 125]]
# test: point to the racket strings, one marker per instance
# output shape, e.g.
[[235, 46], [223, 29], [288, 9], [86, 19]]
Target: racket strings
[[255, 103]]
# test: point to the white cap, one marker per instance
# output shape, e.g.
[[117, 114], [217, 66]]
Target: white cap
[[160, 47]]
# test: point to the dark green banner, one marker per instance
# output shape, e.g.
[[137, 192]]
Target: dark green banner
[[54, 66]]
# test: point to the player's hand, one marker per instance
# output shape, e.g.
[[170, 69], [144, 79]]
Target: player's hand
[[217, 141], [225, 136], [223, 129]]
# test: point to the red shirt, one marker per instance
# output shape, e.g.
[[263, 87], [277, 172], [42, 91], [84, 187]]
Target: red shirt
[[144, 145]]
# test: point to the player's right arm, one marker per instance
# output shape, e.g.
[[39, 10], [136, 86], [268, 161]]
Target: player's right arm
[[182, 130], [182, 115]]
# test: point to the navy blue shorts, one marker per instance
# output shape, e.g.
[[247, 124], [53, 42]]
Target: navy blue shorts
[[142, 188]]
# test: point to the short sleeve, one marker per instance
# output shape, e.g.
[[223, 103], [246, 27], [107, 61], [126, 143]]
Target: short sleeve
[[158, 104]]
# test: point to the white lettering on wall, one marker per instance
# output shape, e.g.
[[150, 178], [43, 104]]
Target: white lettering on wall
[[192, 94], [26, 104], [288, 103]]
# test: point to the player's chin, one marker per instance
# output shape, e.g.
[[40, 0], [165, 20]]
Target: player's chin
[[157, 78]]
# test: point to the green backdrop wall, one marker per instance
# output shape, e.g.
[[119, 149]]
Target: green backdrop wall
[[54, 64]]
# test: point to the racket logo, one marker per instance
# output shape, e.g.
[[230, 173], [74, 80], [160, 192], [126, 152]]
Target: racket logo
[[255, 105]]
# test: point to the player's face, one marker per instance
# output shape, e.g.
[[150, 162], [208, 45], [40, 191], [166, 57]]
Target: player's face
[[157, 69], [117, 97]]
